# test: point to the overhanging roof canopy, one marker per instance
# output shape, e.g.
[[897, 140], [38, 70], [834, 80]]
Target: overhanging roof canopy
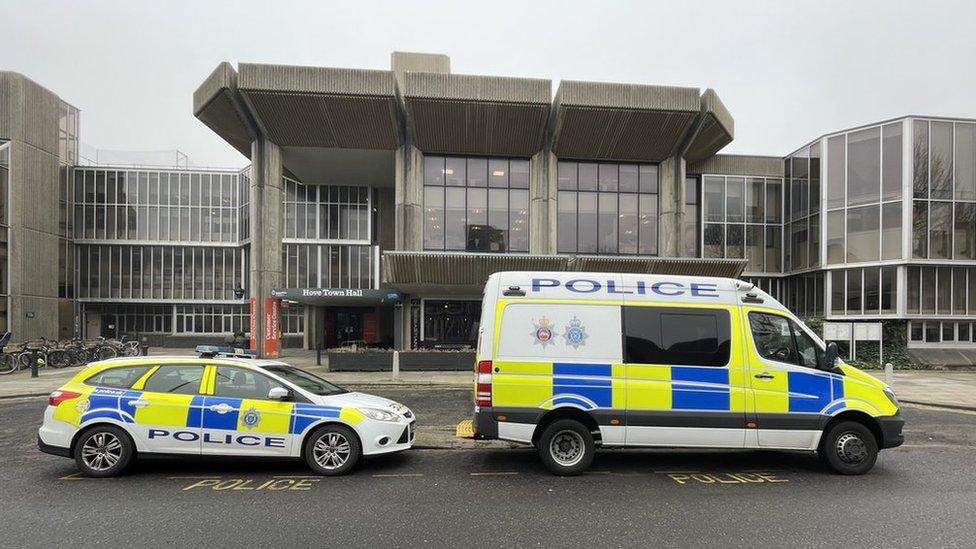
[[469, 114], [716, 131], [216, 104], [440, 272]]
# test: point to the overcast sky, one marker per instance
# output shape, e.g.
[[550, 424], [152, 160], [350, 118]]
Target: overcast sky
[[788, 71]]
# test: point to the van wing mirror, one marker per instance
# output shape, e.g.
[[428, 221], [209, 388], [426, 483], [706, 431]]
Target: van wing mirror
[[830, 357], [279, 393]]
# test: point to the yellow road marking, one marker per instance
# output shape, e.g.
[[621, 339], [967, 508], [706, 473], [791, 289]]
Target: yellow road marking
[[74, 476], [295, 476], [193, 477]]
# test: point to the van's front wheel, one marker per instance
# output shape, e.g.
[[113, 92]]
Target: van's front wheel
[[849, 448], [566, 447]]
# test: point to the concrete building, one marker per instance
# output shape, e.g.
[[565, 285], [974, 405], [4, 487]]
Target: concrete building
[[378, 201]]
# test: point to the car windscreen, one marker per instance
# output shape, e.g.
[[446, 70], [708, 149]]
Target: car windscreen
[[310, 382]]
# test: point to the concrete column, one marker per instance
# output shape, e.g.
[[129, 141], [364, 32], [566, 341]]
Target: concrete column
[[670, 224], [314, 322], [265, 209], [409, 200], [400, 311], [542, 203]]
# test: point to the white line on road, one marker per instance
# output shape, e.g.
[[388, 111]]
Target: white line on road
[[393, 475], [493, 473]]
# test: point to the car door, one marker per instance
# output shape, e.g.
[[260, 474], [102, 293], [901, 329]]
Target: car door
[[167, 412], [790, 393], [240, 419]]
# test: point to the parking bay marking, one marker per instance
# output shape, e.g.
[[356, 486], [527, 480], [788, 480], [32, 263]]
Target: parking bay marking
[[702, 477]]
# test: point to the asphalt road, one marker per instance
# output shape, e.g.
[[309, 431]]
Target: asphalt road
[[921, 494]]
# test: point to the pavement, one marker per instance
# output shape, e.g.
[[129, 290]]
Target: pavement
[[918, 495], [948, 389]]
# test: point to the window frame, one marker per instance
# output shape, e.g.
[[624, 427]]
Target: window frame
[[794, 327]]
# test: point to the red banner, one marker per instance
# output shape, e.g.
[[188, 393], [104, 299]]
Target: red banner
[[272, 327], [253, 324]]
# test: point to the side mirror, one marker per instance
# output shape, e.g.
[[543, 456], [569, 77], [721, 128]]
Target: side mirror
[[830, 357], [279, 393]]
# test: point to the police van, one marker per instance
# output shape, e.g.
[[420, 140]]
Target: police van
[[114, 410], [568, 362]]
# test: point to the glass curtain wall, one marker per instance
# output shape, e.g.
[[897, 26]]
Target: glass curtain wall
[[476, 204], [944, 190], [743, 218], [4, 236], [606, 208], [328, 237], [802, 209]]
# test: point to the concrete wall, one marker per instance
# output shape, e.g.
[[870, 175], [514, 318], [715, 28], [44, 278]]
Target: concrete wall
[[671, 179], [409, 198], [29, 118], [266, 229]]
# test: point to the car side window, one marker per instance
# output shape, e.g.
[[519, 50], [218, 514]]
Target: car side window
[[773, 337], [232, 382], [808, 352], [118, 378], [183, 379]]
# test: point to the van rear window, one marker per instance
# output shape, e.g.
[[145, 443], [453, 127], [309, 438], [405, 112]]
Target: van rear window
[[672, 336]]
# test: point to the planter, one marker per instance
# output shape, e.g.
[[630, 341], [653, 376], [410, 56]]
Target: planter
[[443, 361], [367, 361]]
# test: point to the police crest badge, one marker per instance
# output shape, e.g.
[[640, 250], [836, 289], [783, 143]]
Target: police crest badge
[[542, 332], [251, 418], [575, 333]]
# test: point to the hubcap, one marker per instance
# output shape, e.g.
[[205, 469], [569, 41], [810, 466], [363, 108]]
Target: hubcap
[[331, 451], [566, 448], [851, 449], [101, 451]]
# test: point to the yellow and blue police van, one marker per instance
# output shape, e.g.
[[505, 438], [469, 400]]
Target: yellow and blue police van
[[114, 410], [568, 362]]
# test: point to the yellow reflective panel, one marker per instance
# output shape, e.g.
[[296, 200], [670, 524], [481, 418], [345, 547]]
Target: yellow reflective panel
[[141, 382], [648, 387], [164, 409], [351, 416], [264, 416], [523, 384]]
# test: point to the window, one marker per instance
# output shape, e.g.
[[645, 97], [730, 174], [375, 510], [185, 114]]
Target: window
[[183, 379], [451, 322], [782, 340], [118, 378], [233, 382], [476, 204], [863, 166], [305, 380], [607, 208], [676, 336]]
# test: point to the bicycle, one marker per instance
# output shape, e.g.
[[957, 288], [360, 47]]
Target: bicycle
[[8, 363], [30, 353]]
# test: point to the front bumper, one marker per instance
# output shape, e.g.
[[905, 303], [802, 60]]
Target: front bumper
[[380, 437], [891, 434]]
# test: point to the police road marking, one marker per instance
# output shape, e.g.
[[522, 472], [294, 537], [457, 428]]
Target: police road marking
[[701, 477], [219, 484]]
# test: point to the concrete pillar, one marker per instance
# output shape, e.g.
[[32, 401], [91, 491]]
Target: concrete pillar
[[399, 319], [670, 224], [409, 200], [542, 203], [314, 323], [265, 209]]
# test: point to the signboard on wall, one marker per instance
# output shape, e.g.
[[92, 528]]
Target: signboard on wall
[[837, 331], [272, 327], [253, 323]]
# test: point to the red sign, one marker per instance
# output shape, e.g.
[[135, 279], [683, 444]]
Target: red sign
[[253, 324], [272, 325]]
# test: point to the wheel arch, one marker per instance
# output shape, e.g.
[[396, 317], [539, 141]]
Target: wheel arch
[[857, 416], [566, 412], [325, 423], [101, 423]]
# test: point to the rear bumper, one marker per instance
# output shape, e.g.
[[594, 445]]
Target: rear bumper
[[485, 425], [51, 449], [891, 435]]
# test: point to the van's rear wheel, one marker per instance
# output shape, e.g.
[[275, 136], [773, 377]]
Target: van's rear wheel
[[849, 448], [566, 447]]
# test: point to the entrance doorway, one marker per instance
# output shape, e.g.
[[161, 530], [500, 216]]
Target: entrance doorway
[[350, 326]]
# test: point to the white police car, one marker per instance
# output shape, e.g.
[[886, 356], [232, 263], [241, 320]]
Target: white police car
[[116, 409]]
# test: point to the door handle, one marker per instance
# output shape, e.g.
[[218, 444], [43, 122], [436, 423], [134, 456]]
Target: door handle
[[764, 375], [221, 408], [139, 403]]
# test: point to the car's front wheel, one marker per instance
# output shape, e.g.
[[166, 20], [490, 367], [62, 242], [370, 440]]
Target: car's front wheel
[[849, 448], [333, 450], [104, 451]]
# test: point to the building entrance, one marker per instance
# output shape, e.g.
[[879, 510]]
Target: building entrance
[[350, 326]]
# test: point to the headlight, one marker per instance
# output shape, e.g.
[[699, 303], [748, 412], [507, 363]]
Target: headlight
[[379, 415], [891, 396]]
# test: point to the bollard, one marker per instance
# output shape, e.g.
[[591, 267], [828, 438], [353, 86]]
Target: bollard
[[396, 365], [145, 350], [318, 354], [889, 374], [34, 359]]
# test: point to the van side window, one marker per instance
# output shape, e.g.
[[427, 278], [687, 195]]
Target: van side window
[[682, 337], [779, 338]]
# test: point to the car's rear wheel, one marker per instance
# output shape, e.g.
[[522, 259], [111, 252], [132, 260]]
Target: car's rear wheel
[[849, 448], [104, 451], [332, 450], [566, 447]]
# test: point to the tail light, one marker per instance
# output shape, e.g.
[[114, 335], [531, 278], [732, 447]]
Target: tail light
[[57, 397], [482, 396]]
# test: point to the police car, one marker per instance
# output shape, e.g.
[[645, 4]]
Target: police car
[[568, 362], [114, 410]]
